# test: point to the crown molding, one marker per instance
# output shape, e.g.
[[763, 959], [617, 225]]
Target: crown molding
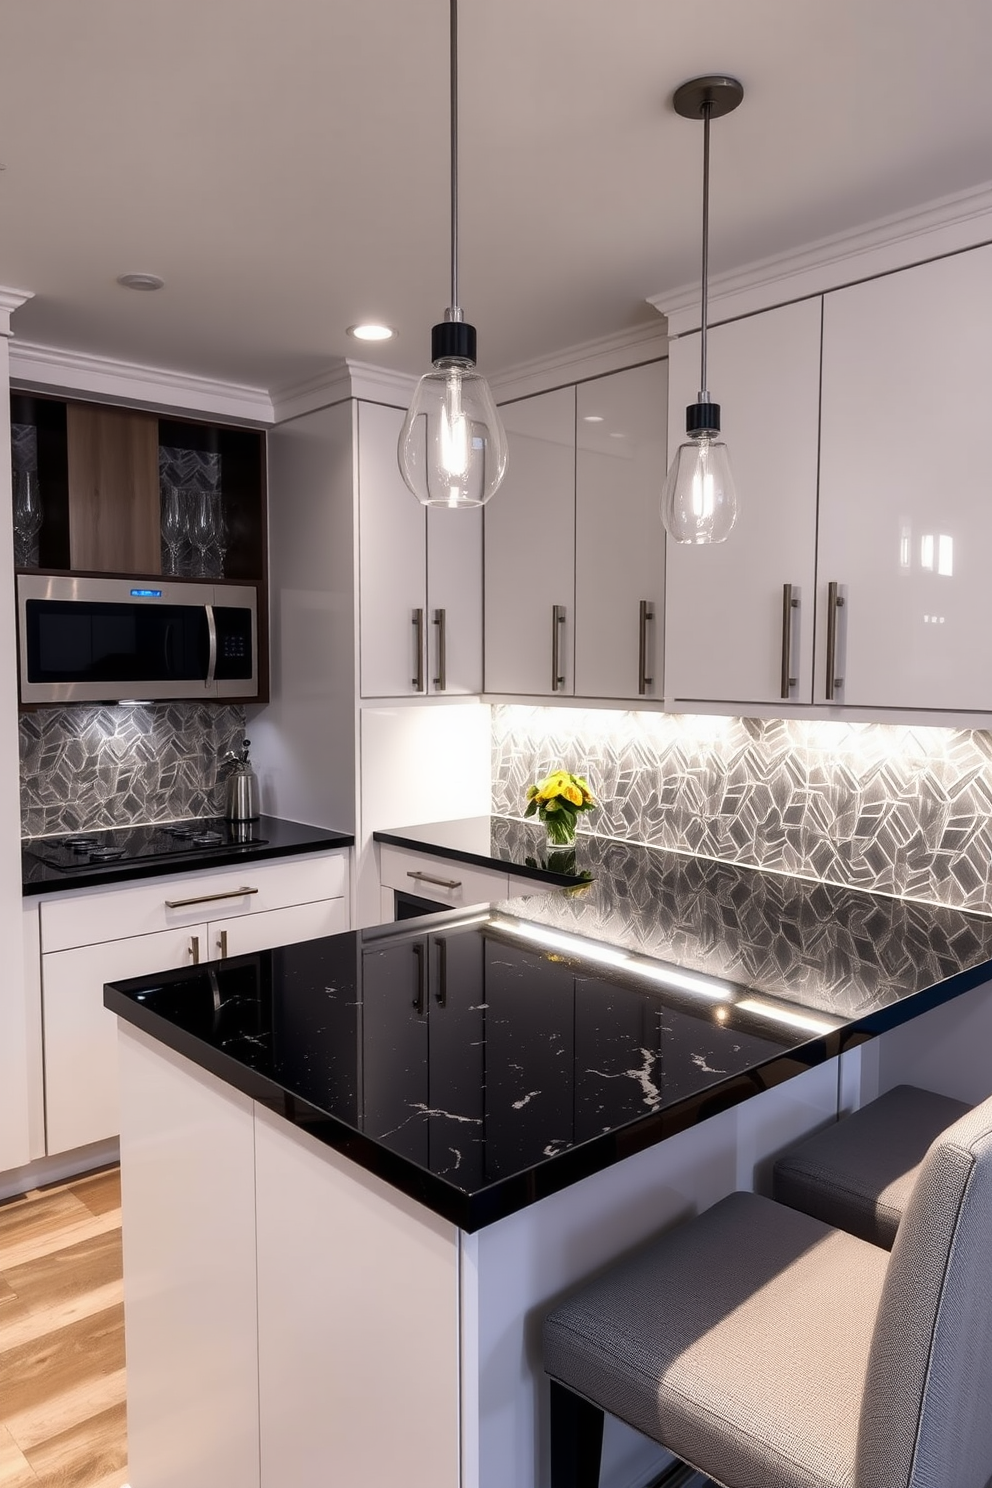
[[11, 300], [75, 374], [945, 226], [346, 379], [641, 343]]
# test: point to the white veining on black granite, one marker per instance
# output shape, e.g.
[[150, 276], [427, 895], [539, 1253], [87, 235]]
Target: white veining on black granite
[[385, 1045]]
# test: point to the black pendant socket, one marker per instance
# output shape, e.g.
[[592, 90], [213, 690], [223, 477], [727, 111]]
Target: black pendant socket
[[453, 340], [702, 418]]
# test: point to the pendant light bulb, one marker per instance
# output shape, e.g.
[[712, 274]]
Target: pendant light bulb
[[699, 502], [452, 449]]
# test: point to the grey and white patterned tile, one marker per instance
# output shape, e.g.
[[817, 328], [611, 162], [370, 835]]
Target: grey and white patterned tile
[[85, 768], [895, 810]]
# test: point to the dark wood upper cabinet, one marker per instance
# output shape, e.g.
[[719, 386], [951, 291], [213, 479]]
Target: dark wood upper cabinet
[[114, 512], [101, 472]]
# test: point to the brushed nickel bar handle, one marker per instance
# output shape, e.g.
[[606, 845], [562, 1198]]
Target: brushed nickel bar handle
[[790, 602], [194, 949], [441, 680], [834, 602], [442, 883], [643, 680], [557, 621], [212, 645], [420, 1001], [208, 898], [222, 944], [418, 625], [441, 995]]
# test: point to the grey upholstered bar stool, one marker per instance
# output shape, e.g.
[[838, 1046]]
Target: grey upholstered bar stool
[[769, 1350], [859, 1173]]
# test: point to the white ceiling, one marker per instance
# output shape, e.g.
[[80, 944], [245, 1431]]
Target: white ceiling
[[282, 164]]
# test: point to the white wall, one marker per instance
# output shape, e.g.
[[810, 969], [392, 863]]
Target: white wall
[[14, 1145], [419, 764]]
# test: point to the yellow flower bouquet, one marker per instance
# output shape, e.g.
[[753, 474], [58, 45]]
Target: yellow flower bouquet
[[556, 801]]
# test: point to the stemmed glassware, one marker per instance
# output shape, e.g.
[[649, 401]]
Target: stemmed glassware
[[193, 532], [173, 525], [201, 531], [28, 518]]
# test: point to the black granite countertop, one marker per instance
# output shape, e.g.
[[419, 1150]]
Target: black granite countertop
[[270, 837], [516, 847], [482, 1059]]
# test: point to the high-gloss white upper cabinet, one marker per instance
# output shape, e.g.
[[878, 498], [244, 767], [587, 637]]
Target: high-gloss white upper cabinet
[[905, 515], [731, 634], [530, 551], [619, 540], [420, 576]]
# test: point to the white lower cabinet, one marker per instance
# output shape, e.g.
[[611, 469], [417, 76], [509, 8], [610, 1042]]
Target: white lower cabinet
[[80, 1039], [443, 880]]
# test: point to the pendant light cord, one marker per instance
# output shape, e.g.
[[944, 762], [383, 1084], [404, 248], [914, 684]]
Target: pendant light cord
[[454, 312], [706, 248]]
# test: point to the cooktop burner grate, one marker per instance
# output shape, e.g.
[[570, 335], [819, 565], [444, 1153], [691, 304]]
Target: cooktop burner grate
[[180, 840]]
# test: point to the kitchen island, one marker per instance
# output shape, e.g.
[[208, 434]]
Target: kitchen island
[[357, 1171]]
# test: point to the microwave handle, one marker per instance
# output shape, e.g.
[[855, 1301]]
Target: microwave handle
[[212, 640]]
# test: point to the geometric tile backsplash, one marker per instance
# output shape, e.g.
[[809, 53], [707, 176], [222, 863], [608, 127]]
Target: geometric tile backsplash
[[89, 766], [892, 809]]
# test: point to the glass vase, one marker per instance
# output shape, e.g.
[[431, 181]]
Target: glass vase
[[560, 829]]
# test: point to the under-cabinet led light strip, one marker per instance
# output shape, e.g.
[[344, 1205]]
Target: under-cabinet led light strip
[[695, 983]]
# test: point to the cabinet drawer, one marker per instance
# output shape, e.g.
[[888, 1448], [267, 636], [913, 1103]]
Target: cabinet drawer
[[447, 881], [114, 911]]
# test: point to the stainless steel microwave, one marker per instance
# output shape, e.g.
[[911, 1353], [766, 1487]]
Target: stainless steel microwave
[[110, 640]]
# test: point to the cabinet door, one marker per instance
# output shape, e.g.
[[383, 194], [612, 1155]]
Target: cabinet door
[[620, 465], [113, 489], [392, 537], [530, 551], [395, 1070], [454, 601], [81, 1099], [725, 626], [905, 521], [259, 932]]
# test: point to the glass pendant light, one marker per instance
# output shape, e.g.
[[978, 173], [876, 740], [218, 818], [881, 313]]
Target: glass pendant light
[[699, 504], [452, 449]]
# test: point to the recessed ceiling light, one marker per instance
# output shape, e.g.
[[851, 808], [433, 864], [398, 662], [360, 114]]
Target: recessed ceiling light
[[592, 418], [140, 281], [371, 331]]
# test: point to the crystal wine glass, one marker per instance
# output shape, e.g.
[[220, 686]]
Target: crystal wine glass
[[202, 530], [173, 525], [28, 517]]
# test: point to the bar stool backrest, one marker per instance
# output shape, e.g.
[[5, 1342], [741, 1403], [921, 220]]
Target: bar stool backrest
[[926, 1417]]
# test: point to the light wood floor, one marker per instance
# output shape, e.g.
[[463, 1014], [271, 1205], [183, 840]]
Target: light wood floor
[[62, 1337]]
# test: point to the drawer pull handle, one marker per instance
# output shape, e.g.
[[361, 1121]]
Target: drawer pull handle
[[442, 883], [207, 898], [194, 949], [222, 944]]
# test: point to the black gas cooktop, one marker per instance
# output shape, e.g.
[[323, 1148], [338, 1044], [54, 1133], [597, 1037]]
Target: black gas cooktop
[[201, 836]]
